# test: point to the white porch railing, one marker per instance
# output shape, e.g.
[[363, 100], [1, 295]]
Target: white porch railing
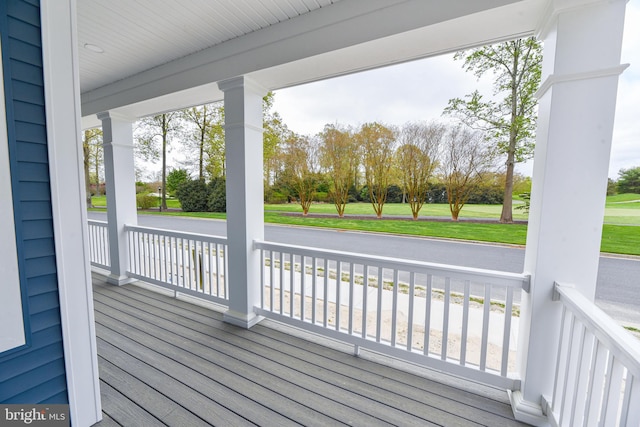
[[597, 381], [99, 244], [455, 319], [188, 263]]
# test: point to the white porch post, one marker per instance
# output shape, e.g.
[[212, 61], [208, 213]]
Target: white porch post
[[120, 185], [245, 212], [581, 66]]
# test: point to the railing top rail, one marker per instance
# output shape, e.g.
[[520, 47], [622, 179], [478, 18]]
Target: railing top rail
[[178, 234], [514, 280], [97, 222], [610, 333]]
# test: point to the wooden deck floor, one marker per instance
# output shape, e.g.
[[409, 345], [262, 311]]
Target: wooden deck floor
[[168, 362]]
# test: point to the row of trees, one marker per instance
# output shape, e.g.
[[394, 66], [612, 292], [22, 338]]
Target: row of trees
[[411, 157], [499, 126]]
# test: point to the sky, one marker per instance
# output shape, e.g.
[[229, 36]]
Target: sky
[[420, 90]]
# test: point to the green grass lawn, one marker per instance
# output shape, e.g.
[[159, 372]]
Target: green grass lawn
[[621, 231], [395, 209], [101, 202]]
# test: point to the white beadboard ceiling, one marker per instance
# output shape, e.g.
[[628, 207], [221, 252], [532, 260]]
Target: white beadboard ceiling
[[168, 54], [140, 34]]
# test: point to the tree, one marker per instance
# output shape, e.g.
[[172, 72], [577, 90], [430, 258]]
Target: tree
[[612, 187], [465, 155], [299, 172], [175, 178], [275, 132], [161, 127], [417, 158], [339, 154], [629, 180], [377, 143], [93, 153], [207, 121], [509, 122]]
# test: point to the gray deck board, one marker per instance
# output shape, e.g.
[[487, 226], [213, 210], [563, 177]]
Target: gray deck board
[[181, 365]]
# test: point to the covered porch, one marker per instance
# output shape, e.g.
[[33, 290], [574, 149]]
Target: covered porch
[[561, 361]]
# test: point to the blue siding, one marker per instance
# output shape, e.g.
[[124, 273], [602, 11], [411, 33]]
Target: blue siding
[[35, 373]]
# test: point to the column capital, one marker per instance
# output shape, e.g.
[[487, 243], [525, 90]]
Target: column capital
[[555, 8], [106, 115], [242, 82]]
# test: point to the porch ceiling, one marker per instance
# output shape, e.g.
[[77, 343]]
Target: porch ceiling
[[165, 55]]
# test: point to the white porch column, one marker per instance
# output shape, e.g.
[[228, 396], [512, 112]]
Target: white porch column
[[117, 135], [581, 66], [245, 211]]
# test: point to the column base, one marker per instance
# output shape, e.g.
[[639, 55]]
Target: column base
[[242, 320], [526, 411], [115, 279]]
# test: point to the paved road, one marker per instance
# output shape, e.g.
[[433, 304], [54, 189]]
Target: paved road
[[618, 286]]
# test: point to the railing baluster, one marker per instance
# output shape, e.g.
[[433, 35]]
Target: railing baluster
[[579, 395], [558, 386], [596, 384], [465, 322], [226, 271], [394, 309], [568, 366], [219, 254], [282, 277], [351, 304], [303, 274], [325, 306], [338, 287], [427, 315], [412, 287], [379, 316], [314, 283], [506, 338], [292, 281], [445, 318], [365, 295], [613, 394], [262, 281], [630, 415], [155, 247], [485, 326]]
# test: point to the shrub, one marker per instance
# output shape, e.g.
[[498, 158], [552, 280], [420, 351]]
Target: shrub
[[321, 196], [217, 201], [486, 195], [394, 194], [276, 197], [146, 201], [193, 195]]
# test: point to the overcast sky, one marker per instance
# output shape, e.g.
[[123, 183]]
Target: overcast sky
[[420, 90]]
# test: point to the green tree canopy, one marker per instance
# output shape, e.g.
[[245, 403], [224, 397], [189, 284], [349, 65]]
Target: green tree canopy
[[175, 178], [509, 120], [629, 180]]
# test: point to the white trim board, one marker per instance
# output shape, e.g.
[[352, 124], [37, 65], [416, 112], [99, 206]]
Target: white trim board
[[62, 105]]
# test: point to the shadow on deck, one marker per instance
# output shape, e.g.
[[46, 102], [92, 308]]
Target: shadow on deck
[[165, 361]]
